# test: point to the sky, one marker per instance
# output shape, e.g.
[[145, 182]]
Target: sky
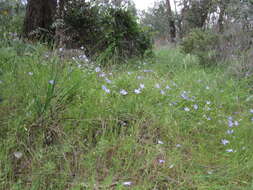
[[143, 4]]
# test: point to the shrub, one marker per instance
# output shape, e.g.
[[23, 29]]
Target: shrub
[[106, 32], [202, 44]]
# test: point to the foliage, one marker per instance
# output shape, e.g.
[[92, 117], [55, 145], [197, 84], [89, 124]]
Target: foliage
[[60, 129], [11, 18], [157, 19], [202, 44], [106, 29]]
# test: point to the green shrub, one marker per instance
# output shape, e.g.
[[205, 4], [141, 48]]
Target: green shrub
[[106, 32], [202, 44]]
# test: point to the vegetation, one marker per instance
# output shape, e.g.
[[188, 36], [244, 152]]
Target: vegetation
[[68, 121]]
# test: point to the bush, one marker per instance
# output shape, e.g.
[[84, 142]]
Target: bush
[[202, 44], [106, 32]]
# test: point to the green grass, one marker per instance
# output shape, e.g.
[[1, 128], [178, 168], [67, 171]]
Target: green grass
[[73, 135]]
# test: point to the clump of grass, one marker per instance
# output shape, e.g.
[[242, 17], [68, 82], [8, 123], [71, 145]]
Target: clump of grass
[[161, 124]]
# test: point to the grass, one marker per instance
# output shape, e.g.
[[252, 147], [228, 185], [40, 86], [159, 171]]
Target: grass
[[61, 130]]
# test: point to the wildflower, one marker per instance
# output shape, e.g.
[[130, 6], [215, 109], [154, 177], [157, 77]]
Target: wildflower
[[186, 109], [30, 73], [60, 49], [224, 141], [230, 132], [147, 71], [208, 102], [129, 73], [137, 91], [106, 89], [102, 75], [97, 69], [108, 80], [236, 123], [162, 92], [142, 86], [207, 88], [82, 47], [195, 106], [160, 142], [127, 183], [18, 155], [210, 172], [161, 161], [51, 82], [184, 95], [157, 85], [251, 111], [230, 123], [168, 87], [123, 92], [171, 166], [139, 77], [230, 150], [178, 145]]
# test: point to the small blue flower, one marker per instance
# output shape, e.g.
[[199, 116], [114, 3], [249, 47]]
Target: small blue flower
[[51, 82], [186, 109], [106, 89], [137, 91], [123, 92], [97, 69], [224, 141]]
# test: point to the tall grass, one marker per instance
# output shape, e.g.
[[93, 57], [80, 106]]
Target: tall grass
[[66, 126]]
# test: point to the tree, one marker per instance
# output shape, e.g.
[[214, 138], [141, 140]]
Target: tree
[[172, 28], [39, 17]]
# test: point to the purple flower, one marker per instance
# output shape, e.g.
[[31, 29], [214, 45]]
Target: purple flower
[[123, 92], [51, 82], [161, 161], [230, 150], [106, 89], [195, 106], [162, 92], [142, 86], [137, 91], [127, 183], [186, 109], [224, 141], [97, 69], [230, 132]]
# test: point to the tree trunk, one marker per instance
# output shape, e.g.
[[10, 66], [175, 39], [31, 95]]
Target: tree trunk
[[172, 28], [39, 15], [222, 6]]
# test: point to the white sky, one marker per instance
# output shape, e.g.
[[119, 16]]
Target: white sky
[[143, 4]]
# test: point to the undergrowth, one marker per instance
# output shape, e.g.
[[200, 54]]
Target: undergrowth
[[166, 123]]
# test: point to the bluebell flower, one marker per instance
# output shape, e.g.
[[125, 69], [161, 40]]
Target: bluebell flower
[[51, 82], [224, 141], [106, 89], [123, 92], [137, 91]]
